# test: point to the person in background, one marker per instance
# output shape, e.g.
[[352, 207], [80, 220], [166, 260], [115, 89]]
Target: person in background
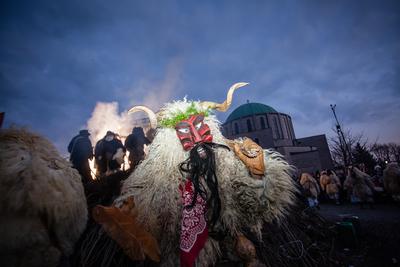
[[378, 176], [330, 184], [361, 187], [310, 189], [81, 150], [109, 154], [150, 134], [317, 175], [134, 143], [391, 179]]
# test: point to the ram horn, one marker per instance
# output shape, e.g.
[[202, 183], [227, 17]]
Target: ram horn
[[227, 103], [152, 116]]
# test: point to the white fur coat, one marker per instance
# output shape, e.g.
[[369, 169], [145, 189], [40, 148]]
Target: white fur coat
[[245, 201]]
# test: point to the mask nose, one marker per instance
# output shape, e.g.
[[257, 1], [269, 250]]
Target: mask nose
[[196, 136]]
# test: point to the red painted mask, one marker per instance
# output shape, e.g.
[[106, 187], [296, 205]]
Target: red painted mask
[[193, 131]]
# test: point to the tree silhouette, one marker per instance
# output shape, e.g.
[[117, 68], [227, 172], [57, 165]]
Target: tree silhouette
[[361, 155]]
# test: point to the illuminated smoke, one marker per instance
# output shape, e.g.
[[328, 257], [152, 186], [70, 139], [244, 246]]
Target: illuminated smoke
[[106, 117]]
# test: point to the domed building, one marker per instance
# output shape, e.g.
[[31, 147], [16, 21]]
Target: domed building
[[272, 129], [262, 123]]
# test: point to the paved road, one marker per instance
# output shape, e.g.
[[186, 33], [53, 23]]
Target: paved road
[[380, 235], [380, 212]]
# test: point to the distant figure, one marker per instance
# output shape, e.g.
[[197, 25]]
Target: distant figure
[[330, 184], [109, 154], [150, 134], [378, 170], [81, 150], [360, 185], [391, 180], [134, 143], [377, 178], [310, 189], [317, 175]]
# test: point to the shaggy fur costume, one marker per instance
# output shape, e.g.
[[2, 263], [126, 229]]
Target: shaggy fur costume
[[391, 180], [245, 201], [330, 183], [360, 185], [310, 185], [42, 206]]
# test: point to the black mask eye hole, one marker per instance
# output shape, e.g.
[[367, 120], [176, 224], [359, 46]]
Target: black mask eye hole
[[198, 122], [198, 125]]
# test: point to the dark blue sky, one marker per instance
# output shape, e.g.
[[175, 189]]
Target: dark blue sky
[[59, 58]]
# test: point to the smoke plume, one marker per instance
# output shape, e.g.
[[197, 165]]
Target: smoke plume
[[106, 117]]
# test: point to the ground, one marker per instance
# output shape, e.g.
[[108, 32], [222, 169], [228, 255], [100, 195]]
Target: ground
[[379, 238]]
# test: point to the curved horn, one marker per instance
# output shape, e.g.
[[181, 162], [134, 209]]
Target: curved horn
[[227, 103], [149, 112]]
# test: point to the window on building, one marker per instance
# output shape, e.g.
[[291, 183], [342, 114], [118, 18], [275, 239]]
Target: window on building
[[262, 122], [236, 128], [289, 134], [276, 129], [280, 127], [249, 128]]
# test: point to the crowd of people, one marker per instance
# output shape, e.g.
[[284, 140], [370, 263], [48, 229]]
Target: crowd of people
[[108, 153], [354, 185]]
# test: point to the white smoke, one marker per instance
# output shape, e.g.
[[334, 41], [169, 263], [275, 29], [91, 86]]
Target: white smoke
[[105, 118], [161, 92]]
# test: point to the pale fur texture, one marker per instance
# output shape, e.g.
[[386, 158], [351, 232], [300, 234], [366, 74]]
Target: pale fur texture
[[360, 185], [246, 202], [391, 179], [43, 207], [310, 185]]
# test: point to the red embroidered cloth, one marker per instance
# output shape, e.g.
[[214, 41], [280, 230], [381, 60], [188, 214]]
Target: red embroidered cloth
[[194, 232]]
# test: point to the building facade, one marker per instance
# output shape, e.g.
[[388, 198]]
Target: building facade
[[274, 130]]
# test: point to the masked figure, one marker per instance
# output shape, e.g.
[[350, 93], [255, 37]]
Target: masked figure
[[200, 195], [391, 179], [360, 185], [310, 189]]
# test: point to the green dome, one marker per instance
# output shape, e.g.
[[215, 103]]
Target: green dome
[[249, 109]]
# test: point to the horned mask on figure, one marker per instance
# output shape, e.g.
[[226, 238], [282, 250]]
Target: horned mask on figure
[[195, 186], [195, 136]]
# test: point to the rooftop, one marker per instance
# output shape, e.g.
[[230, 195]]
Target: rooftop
[[249, 109]]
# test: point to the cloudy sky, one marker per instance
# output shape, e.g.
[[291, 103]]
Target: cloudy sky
[[59, 58]]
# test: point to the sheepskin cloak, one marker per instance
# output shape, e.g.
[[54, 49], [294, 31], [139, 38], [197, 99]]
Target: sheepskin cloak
[[42, 206], [245, 201]]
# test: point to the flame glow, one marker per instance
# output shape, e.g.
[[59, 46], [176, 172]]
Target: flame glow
[[105, 118]]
